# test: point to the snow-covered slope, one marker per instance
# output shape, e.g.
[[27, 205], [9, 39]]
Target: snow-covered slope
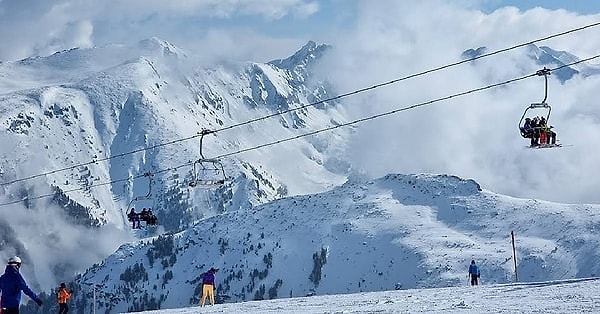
[[397, 232], [76, 115], [570, 296], [106, 108]]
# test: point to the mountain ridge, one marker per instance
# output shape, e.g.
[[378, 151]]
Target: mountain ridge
[[366, 235], [298, 206], [124, 104]]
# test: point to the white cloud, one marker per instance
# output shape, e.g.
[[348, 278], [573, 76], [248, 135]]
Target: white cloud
[[41, 233], [34, 28], [473, 136], [69, 23], [50, 241], [272, 9], [241, 45], [306, 9]]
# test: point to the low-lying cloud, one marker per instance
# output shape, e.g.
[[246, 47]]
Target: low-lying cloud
[[474, 136]]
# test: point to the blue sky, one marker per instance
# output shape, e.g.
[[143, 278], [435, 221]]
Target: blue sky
[[249, 29], [337, 13], [341, 13]]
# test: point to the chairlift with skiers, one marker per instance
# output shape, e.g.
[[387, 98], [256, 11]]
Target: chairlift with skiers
[[537, 128], [146, 214]]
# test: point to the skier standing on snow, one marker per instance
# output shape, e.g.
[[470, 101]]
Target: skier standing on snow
[[208, 286], [474, 273], [62, 298], [11, 285]]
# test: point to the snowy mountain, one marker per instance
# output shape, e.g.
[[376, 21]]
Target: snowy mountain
[[83, 126], [77, 115], [548, 57], [396, 232]]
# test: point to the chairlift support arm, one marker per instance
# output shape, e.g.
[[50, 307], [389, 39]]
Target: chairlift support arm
[[202, 133], [150, 176], [545, 72]]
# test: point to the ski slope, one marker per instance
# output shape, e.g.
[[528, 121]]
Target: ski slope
[[570, 296]]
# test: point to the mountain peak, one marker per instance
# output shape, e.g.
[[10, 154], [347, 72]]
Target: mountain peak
[[545, 56], [162, 47], [306, 55], [473, 53]]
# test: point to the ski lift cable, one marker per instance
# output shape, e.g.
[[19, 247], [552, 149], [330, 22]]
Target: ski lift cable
[[95, 161], [471, 91], [145, 174], [372, 117], [344, 95], [404, 78]]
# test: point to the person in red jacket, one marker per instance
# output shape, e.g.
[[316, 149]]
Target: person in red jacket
[[62, 297]]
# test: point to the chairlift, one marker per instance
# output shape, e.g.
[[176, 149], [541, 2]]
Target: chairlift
[[207, 172], [150, 219], [547, 109]]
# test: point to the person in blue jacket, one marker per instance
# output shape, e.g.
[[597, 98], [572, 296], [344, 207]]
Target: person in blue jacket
[[529, 131], [474, 273], [11, 285]]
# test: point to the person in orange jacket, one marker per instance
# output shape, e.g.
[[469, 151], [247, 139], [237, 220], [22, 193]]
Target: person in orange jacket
[[62, 298]]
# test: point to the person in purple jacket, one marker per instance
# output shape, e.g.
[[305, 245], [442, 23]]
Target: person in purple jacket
[[208, 286], [11, 285]]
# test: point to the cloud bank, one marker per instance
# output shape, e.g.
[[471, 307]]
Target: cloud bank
[[40, 28], [474, 136]]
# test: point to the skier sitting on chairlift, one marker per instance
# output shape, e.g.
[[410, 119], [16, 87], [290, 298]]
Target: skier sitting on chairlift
[[151, 219], [549, 135], [529, 130], [134, 218], [147, 216], [144, 214]]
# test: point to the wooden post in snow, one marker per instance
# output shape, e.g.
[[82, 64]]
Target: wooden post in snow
[[512, 234]]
